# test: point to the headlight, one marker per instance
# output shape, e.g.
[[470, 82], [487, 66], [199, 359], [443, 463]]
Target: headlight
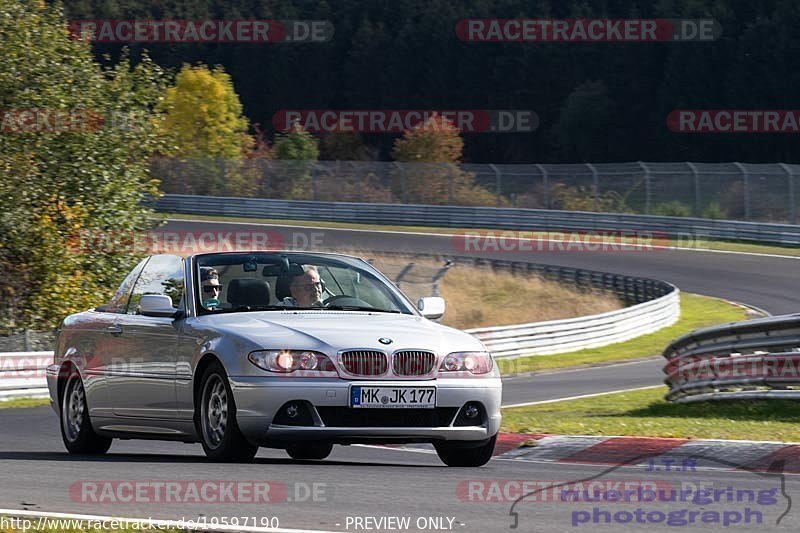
[[286, 361], [473, 362]]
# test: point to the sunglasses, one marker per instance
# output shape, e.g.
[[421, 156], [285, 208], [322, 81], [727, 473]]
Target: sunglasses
[[309, 287], [212, 288]]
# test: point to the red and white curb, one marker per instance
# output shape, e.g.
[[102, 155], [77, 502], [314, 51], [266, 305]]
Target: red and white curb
[[754, 456]]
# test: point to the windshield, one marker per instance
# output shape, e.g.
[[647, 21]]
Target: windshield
[[243, 282]]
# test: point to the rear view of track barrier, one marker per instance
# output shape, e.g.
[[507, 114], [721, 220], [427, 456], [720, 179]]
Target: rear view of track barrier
[[754, 359]]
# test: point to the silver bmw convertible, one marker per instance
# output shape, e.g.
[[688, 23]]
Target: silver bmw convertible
[[290, 350]]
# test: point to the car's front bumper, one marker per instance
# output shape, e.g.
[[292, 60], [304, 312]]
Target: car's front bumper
[[259, 399]]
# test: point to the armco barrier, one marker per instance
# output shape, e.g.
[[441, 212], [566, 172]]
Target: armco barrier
[[559, 336], [22, 374], [752, 359], [652, 305], [679, 228]]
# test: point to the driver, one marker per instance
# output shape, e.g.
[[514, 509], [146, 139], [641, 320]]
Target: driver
[[306, 289]]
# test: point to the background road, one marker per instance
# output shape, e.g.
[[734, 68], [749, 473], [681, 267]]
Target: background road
[[768, 282]]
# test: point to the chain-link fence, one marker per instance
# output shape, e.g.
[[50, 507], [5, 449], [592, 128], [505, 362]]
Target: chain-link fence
[[28, 341], [734, 191]]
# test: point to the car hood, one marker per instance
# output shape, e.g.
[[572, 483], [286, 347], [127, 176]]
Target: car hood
[[330, 331]]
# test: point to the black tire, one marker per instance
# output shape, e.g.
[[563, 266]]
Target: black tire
[[465, 453], [76, 428], [310, 450], [216, 419]]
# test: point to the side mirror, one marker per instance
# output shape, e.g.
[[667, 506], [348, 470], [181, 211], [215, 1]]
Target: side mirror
[[431, 307], [157, 305]]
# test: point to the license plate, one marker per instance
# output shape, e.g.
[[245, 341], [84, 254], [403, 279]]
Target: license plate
[[393, 397]]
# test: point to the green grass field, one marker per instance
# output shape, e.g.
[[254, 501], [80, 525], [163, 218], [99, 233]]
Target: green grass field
[[23, 402], [645, 413]]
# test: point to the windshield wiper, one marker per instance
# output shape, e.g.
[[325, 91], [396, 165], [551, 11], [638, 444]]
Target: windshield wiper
[[360, 308]]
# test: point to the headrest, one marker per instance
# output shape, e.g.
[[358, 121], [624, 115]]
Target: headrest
[[248, 291], [282, 287]]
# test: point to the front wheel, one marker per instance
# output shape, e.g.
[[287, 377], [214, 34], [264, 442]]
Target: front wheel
[[219, 433], [465, 453], [76, 428], [310, 450]]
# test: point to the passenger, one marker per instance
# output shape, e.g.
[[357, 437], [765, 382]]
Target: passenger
[[211, 287]]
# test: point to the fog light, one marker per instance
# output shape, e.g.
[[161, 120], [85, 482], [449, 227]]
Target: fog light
[[292, 410], [472, 410]]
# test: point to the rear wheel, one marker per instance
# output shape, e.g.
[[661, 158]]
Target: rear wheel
[[310, 450], [465, 453], [219, 433], [76, 428]]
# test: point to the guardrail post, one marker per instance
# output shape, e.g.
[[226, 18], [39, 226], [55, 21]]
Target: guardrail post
[[439, 275], [26, 340], [546, 184], [595, 186], [406, 270], [221, 178], [696, 176], [792, 203], [498, 182], [312, 171], [648, 192], [746, 180], [403, 188], [447, 169]]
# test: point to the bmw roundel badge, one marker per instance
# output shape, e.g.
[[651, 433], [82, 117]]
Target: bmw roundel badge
[[385, 340]]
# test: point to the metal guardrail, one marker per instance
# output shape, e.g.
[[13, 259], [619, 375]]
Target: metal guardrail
[[22, 374], [652, 305], [680, 228], [742, 360], [560, 336]]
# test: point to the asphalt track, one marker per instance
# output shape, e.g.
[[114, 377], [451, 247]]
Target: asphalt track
[[355, 481], [359, 481]]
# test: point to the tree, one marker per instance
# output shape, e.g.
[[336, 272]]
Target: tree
[[582, 128], [66, 182], [206, 131], [430, 155], [296, 151]]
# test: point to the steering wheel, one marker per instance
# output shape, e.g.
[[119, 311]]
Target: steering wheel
[[335, 298]]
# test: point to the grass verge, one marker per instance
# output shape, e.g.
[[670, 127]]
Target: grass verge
[[696, 312], [646, 413], [479, 298], [718, 245], [23, 402]]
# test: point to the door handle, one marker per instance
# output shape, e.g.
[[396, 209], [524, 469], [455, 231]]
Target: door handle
[[115, 330]]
